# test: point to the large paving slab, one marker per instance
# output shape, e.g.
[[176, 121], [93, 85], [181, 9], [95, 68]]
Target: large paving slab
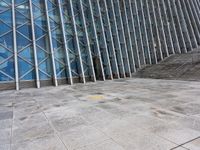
[[131, 114]]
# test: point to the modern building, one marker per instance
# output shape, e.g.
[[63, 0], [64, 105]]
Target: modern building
[[53, 42]]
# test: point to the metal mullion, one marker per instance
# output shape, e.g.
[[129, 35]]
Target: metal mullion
[[96, 38], [104, 39], [77, 41], [194, 20], [126, 30], [133, 37], [15, 47], [87, 41], [161, 29], [189, 24], [51, 45], [182, 42], [183, 26], [173, 28], [139, 35], [111, 39], [166, 28], [151, 39]]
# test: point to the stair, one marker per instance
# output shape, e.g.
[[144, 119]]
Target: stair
[[175, 67]]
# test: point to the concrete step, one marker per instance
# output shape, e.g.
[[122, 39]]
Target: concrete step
[[178, 67]]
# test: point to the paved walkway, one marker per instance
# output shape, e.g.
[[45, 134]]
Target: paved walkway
[[133, 114]]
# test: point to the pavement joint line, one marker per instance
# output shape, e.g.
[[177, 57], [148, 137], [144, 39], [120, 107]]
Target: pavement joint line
[[109, 137], [11, 135], [185, 143], [50, 124]]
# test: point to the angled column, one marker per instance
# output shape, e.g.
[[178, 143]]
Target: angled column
[[172, 27], [183, 25], [194, 18], [87, 41], [166, 27], [51, 45], [142, 22], [161, 29], [131, 24], [150, 37], [65, 46], [15, 47], [189, 24], [116, 40], [95, 48], [102, 39], [156, 35], [127, 36], [77, 42], [121, 37], [110, 45], [34, 46], [179, 29], [134, 8]]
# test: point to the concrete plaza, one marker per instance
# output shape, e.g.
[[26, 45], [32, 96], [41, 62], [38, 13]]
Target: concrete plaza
[[131, 114]]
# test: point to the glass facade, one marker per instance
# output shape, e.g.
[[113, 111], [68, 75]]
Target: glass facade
[[67, 41]]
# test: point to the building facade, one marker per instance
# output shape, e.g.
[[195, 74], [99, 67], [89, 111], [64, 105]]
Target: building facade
[[53, 42]]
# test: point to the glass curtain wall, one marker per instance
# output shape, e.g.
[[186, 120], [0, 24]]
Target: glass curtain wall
[[53, 42]]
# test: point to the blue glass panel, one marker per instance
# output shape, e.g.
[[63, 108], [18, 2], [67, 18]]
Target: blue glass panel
[[45, 66], [23, 64], [43, 43], [21, 41], [4, 28], [27, 54], [3, 6], [41, 21], [41, 54], [43, 76], [56, 44], [37, 11], [26, 30], [4, 77], [8, 67], [4, 54], [39, 32], [7, 40], [20, 19], [29, 76], [20, 1], [50, 5], [6, 17]]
